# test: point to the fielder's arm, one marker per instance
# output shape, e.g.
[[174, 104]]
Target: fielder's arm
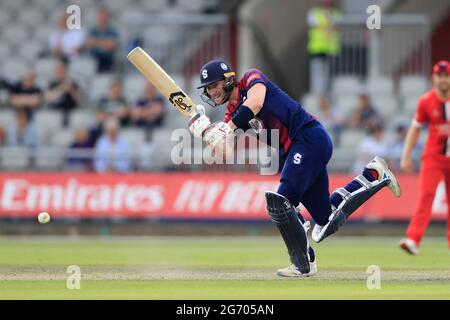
[[410, 142]]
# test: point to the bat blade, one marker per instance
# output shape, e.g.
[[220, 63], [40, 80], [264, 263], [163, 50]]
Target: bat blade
[[162, 81]]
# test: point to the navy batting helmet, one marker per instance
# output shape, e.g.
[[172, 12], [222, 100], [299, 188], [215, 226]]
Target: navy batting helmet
[[214, 71]]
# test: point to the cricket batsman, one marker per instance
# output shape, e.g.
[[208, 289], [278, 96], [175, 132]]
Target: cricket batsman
[[433, 108], [254, 102]]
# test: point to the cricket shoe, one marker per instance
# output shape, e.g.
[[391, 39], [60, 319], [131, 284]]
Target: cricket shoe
[[336, 220], [409, 246], [292, 271], [379, 165]]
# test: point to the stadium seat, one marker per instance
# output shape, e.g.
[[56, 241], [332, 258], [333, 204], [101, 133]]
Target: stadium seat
[[48, 5], [48, 158], [385, 104], [30, 16], [351, 138], [41, 34], [15, 158], [154, 6], [82, 68], [409, 103], [16, 35], [5, 53], [134, 86], [145, 157], [134, 136], [131, 16], [310, 103], [81, 119], [346, 85], [100, 86], [5, 16], [345, 104], [397, 119], [47, 122], [14, 4], [412, 85], [6, 117], [62, 138], [115, 6], [30, 51], [45, 67], [13, 70], [191, 6], [380, 85]]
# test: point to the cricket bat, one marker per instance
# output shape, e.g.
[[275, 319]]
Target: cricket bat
[[162, 81]]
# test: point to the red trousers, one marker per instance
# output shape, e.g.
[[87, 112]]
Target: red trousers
[[431, 173]]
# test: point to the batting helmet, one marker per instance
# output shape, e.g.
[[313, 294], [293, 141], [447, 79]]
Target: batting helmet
[[214, 71]]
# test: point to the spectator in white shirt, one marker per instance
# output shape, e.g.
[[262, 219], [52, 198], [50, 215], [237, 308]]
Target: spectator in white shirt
[[112, 151], [66, 43]]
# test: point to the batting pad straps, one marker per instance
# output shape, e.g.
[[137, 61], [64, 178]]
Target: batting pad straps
[[243, 116]]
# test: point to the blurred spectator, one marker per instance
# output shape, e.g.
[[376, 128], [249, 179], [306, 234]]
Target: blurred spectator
[[112, 151], [22, 131], [2, 136], [4, 84], [323, 43], [63, 93], [26, 95], [364, 116], [114, 105], [66, 43], [372, 145], [330, 117], [396, 148], [149, 111], [80, 152], [103, 42], [5, 88]]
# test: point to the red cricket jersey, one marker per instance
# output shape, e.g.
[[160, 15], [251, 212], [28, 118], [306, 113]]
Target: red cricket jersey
[[436, 112]]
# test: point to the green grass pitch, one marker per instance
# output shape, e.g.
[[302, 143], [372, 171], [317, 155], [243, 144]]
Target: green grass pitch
[[217, 268]]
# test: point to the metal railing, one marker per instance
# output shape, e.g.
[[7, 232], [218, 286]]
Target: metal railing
[[402, 46]]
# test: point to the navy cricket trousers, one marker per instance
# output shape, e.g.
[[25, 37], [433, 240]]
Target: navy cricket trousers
[[304, 176]]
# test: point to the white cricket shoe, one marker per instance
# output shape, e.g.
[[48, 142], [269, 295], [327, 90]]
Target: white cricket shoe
[[334, 223], [292, 271], [318, 232], [409, 246], [380, 165]]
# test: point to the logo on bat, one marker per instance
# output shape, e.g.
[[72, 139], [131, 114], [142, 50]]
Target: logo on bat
[[177, 99]]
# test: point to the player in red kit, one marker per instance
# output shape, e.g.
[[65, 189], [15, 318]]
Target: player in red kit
[[434, 109]]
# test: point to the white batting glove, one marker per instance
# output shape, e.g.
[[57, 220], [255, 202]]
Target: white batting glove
[[199, 122], [219, 137]]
